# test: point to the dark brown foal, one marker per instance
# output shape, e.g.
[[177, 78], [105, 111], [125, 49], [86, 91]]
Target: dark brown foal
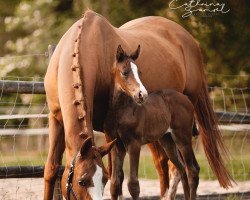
[[135, 124]]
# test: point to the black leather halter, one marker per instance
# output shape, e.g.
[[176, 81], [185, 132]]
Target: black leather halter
[[69, 187]]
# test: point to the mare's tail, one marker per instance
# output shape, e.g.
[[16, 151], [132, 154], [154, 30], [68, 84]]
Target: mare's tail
[[211, 137]]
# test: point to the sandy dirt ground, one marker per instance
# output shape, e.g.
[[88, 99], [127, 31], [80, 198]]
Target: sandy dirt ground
[[22, 189]]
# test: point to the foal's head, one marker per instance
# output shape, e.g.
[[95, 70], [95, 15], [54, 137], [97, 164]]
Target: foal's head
[[89, 174], [126, 76]]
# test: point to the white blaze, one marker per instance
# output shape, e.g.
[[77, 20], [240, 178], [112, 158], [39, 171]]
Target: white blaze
[[135, 72], [96, 191]]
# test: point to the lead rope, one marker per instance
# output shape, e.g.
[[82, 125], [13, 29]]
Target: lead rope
[[69, 186]]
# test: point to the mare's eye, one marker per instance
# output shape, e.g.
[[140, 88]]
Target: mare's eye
[[82, 183], [125, 73]]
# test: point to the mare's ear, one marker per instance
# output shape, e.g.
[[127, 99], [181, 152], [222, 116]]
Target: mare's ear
[[120, 54], [105, 149], [135, 54], [86, 146]]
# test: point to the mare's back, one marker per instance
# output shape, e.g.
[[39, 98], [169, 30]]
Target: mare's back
[[155, 24], [170, 56]]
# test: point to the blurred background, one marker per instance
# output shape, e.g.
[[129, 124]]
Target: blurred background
[[29, 26]]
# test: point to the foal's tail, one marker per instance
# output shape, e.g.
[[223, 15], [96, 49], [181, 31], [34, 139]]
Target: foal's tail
[[211, 137]]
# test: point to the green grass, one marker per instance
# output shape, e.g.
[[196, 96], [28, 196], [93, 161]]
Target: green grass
[[27, 152], [239, 168], [232, 197], [23, 158]]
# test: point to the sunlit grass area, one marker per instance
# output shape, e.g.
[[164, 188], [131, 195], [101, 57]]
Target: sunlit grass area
[[34, 152], [239, 167]]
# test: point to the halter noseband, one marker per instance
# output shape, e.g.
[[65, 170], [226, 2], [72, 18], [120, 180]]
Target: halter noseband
[[69, 187]]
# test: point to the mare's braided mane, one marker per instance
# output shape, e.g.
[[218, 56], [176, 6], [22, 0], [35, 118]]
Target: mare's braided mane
[[78, 83]]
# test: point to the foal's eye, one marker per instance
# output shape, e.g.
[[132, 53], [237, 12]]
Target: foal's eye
[[125, 73]]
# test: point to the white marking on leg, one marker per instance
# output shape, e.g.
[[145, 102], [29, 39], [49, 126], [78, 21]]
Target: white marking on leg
[[135, 72], [97, 191], [120, 197], [173, 183], [164, 197]]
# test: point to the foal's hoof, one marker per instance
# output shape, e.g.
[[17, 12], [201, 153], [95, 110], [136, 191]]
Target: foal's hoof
[[120, 197]]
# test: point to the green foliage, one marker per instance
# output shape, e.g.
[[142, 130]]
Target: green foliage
[[30, 26]]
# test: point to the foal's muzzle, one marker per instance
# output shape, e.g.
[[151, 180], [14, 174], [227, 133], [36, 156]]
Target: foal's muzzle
[[140, 97]]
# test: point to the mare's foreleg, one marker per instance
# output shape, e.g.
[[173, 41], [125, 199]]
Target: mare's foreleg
[[134, 149], [56, 149], [160, 160], [170, 148], [118, 153]]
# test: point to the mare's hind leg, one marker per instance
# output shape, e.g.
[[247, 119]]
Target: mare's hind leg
[[56, 149], [134, 149], [183, 139], [160, 160], [170, 148], [118, 153]]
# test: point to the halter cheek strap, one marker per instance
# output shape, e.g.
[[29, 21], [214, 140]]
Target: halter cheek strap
[[69, 186]]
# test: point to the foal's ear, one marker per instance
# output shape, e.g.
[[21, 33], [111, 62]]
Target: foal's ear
[[135, 54], [105, 149], [86, 146], [120, 54]]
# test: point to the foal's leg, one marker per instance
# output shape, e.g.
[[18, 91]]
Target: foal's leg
[[118, 153], [174, 179], [160, 160], [183, 140], [134, 149], [56, 148], [170, 148]]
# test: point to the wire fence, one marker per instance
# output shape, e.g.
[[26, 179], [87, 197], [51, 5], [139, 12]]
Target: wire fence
[[24, 141]]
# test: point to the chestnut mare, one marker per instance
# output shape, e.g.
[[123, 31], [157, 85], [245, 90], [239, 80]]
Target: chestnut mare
[[134, 125], [79, 72]]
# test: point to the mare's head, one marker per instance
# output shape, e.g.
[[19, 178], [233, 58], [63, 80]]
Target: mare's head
[[87, 175], [126, 75]]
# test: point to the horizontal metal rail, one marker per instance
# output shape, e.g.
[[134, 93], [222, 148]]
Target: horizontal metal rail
[[26, 131], [44, 131], [24, 172], [22, 87], [233, 117], [23, 116], [32, 87], [29, 131]]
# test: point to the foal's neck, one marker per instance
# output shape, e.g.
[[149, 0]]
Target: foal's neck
[[119, 100]]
